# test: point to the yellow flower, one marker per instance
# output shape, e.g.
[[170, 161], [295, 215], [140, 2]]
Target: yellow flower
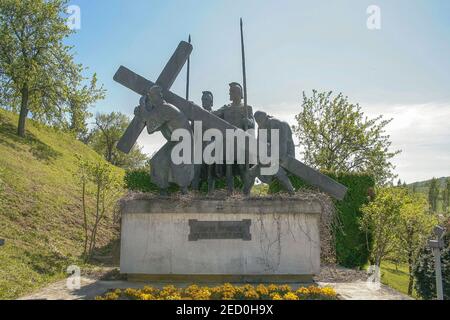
[[276, 296], [149, 290], [111, 296], [251, 294], [262, 290], [272, 288], [169, 291], [192, 289], [302, 291], [132, 293], [290, 296], [329, 291], [284, 288], [225, 292], [201, 294], [174, 296]]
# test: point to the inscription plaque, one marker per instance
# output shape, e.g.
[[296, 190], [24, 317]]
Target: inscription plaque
[[203, 230]]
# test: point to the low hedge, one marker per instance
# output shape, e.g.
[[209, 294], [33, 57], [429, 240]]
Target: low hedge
[[139, 180]]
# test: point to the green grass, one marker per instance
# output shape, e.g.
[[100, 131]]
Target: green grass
[[396, 278], [40, 207]]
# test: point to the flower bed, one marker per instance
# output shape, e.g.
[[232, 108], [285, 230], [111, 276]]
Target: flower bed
[[223, 292]]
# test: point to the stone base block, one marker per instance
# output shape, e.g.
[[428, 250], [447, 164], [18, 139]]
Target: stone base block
[[233, 240]]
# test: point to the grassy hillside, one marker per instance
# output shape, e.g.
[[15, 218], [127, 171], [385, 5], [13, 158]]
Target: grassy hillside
[[40, 207]]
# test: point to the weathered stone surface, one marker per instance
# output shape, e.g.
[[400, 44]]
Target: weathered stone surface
[[284, 238]]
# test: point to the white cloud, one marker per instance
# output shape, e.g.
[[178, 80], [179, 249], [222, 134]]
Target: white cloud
[[422, 132]]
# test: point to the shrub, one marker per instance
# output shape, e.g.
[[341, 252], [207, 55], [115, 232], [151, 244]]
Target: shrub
[[425, 274], [352, 245], [139, 180]]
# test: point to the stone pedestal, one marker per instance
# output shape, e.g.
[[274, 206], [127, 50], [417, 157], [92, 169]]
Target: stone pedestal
[[233, 240]]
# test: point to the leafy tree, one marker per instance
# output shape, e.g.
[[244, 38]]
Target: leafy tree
[[446, 196], [79, 101], [412, 231], [98, 179], [433, 194], [379, 218], [400, 224], [103, 138], [37, 71], [338, 137]]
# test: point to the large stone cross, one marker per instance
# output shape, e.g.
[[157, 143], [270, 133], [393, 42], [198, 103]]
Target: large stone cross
[[194, 112], [165, 80]]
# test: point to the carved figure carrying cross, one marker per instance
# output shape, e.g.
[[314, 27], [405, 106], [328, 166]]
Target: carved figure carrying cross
[[193, 112]]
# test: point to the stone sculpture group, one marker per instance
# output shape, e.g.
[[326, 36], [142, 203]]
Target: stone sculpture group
[[164, 111]]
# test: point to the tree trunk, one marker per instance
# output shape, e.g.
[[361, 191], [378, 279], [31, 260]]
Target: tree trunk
[[94, 229], [23, 110], [85, 223], [110, 152], [411, 276]]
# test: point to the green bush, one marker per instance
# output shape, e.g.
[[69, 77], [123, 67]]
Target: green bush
[[139, 180], [425, 274], [352, 244]]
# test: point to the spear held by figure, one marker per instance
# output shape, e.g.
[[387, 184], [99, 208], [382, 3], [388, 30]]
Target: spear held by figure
[[188, 72], [244, 84]]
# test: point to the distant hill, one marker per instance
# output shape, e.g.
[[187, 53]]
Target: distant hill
[[40, 207], [426, 184], [424, 187]]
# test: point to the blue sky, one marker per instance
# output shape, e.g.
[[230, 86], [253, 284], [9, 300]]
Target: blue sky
[[401, 70]]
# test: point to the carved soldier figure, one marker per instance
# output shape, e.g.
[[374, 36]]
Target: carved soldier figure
[[166, 118], [236, 113], [286, 148], [203, 171], [240, 116]]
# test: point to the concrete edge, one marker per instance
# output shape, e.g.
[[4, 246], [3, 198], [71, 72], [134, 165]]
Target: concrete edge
[[219, 278]]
